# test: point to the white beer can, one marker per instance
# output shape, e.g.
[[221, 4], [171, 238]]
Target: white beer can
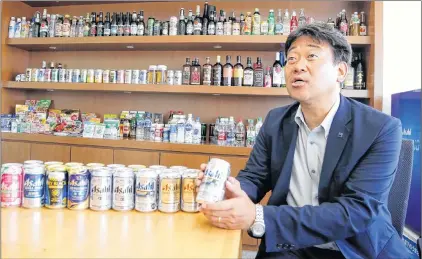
[[101, 188], [123, 189], [146, 190], [213, 184]]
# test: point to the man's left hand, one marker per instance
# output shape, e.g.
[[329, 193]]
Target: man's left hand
[[236, 212]]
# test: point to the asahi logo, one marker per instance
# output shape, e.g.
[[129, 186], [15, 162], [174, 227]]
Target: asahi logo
[[33, 183], [170, 187], [189, 187], [145, 186], [128, 189], [213, 174], [101, 189], [78, 181]]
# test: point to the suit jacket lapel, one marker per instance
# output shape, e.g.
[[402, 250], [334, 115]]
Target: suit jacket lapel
[[337, 139]]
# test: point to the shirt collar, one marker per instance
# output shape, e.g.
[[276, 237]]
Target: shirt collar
[[326, 123]]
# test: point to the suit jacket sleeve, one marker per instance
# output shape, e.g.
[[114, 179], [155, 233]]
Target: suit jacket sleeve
[[352, 212]]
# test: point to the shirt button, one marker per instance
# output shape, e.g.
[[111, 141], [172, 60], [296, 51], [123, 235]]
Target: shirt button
[[313, 171]]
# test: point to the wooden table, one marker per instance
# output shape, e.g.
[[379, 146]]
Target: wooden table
[[44, 233]]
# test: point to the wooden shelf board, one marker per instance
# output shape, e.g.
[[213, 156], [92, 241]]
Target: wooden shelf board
[[128, 144], [163, 43]]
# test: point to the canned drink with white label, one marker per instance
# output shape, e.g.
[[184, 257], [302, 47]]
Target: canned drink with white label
[[123, 189], [146, 190], [101, 188], [169, 192], [33, 185], [113, 76], [178, 77], [84, 75], [135, 76], [76, 76], [11, 185], [78, 188], [90, 76], [106, 76], [170, 77], [120, 78], [188, 201], [128, 76], [213, 184], [28, 74], [62, 75], [69, 75], [98, 77], [56, 187], [34, 75], [143, 76]]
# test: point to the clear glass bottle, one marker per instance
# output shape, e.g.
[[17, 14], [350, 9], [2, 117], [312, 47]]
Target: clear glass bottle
[[256, 23], [250, 133], [279, 24], [271, 23], [73, 27], [286, 23], [181, 129], [189, 129], [302, 17], [207, 72]]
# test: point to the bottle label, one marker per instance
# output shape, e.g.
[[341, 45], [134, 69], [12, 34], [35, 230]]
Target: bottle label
[[227, 76], [359, 84], [59, 30], [348, 83], [211, 29], [238, 77], [140, 29], [271, 27], [93, 30], [107, 32], [127, 29], [264, 28], [197, 26], [293, 27], [247, 26], [236, 28], [216, 76], [100, 29], [248, 78], [277, 71], [219, 30], [207, 74], [256, 24], [238, 72], [113, 29], [195, 77], [134, 29], [362, 30], [343, 27], [259, 78], [227, 28], [186, 76], [44, 27], [189, 28], [267, 81]]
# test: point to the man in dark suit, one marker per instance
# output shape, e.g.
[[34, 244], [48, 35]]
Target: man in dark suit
[[329, 161]]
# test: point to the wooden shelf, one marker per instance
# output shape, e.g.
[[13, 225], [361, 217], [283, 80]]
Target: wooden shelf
[[128, 144], [163, 43], [176, 89]]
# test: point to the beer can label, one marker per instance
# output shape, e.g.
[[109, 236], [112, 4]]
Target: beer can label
[[146, 194], [33, 187], [11, 189], [78, 191], [123, 195], [100, 197], [56, 194], [189, 203], [169, 194]]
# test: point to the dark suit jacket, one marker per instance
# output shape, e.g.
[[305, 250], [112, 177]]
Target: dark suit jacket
[[359, 166]]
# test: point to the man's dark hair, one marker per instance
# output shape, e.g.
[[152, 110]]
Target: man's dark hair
[[323, 32]]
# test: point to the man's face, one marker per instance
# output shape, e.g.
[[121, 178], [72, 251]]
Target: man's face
[[310, 70]]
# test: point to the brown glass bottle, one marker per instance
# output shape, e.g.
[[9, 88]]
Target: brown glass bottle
[[228, 72], [238, 72], [217, 73], [258, 79], [195, 73], [186, 72]]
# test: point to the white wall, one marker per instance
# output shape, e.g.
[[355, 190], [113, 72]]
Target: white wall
[[402, 48]]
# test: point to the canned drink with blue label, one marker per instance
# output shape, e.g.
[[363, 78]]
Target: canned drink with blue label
[[84, 75], [123, 189], [76, 77], [143, 77], [120, 76], [101, 188], [56, 187], [146, 190], [135, 76], [78, 188], [33, 185]]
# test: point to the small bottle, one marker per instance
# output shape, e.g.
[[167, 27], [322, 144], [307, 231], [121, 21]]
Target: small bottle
[[189, 24], [12, 26], [242, 24], [217, 73], [278, 71], [331, 23], [279, 24], [80, 28], [271, 23], [23, 28], [250, 133], [181, 28], [196, 132], [189, 130], [66, 26], [247, 30], [258, 126], [344, 26], [228, 72], [87, 25], [205, 19], [227, 27], [181, 129], [264, 27], [362, 26], [44, 25], [73, 27], [302, 18], [267, 77], [186, 72], [219, 26], [207, 72], [134, 25], [240, 134], [293, 22]]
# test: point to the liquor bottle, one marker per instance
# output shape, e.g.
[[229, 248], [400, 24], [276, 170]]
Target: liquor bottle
[[113, 26], [278, 71], [18, 28], [126, 28], [238, 72], [343, 23], [107, 25], [256, 23], [242, 24], [66, 26], [227, 26], [286, 23], [217, 73], [44, 25], [206, 72], [120, 29], [293, 22], [350, 77], [189, 24], [271, 23], [236, 27], [279, 24], [359, 81], [186, 72], [141, 24], [36, 26], [93, 28], [181, 28], [355, 24], [195, 72], [248, 73], [134, 25], [258, 79], [302, 18], [228, 72], [79, 27], [197, 23], [362, 26], [211, 24], [247, 30], [219, 26], [73, 27], [264, 27], [267, 77], [100, 25], [331, 23], [87, 24], [12, 27], [205, 19]]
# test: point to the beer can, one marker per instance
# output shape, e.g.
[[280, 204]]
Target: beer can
[[76, 76], [56, 187], [101, 188], [137, 168], [47, 75], [34, 75], [113, 76], [135, 76], [78, 188], [173, 26], [106, 76], [28, 74], [41, 73], [62, 75], [169, 192], [84, 75], [98, 77], [123, 189], [32, 162], [33, 185], [128, 76], [73, 164], [213, 184], [178, 77], [11, 185], [156, 28], [203, 133], [93, 165], [146, 190], [69, 75], [170, 77], [143, 76], [120, 76], [90, 76], [49, 163], [179, 168], [188, 201], [166, 133]]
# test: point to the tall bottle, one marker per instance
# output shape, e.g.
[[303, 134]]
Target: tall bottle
[[238, 72], [189, 130], [181, 28], [219, 26], [36, 26], [228, 26], [271, 23], [286, 23], [360, 74], [248, 24], [267, 77], [197, 23], [189, 24], [278, 71], [231, 133], [250, 133], [228, 72], [211, 24], [100, 25], [240, 134], [126, 27], [217, 72], [80, 27], [279, 24], [242, 24], [93, 29], [207, 72], [141, 24], [181, 129], [18, 28], [256, 23], [293, 22], [302, 18], [22, 31], [120, 25], [87, 25], [248, 73], [222, 132], [258, 73], [107, 25], [362, 26], [205, 19], [195, 73], [344, 26], [134, 25], [113, 26], [331, 23], [44, 25], [197, 131], [12, 27], [186, 72], [73, 27], [66, 26], [350, 77]]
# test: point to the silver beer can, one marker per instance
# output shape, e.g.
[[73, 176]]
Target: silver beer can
[[98, 77], [106, 76], [188, 201], [213, 184], [135, 76], [69, 75], [84, 75], [123, 189], [101, 188], [33, 185], [120, 76], [178, 77], [170, 77], [33, 162], [76, 76], [146, 190], [169, 192], [143, 77]]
